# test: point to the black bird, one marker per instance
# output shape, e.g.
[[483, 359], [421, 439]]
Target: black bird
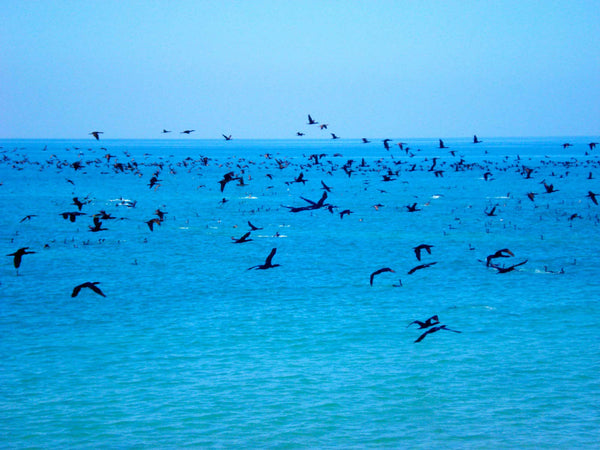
[[345, 212], [227, 138], [422, 266], [299, 133], [90, 285], [442, 144], [267, 264], [27, 217], [433, 330], [334, 136], [152, 222], [365, 141], [592, 145], [509, 268], [420, 247], [97, 134], [475, 140], [18, 256], [187, 131], [243, 239], [252, 227], [592, 197], [502, 253], [433, 320], [71, 215], [97, 226], [229, 176], [311, 121], [492, 212], [412, 208], [153, 182], [377, 272], [165, 131], [386, 144], [327, 188], [78, 203], [160, 214], [549, 187]]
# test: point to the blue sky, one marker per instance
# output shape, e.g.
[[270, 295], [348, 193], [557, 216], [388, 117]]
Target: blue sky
[[255, 69]]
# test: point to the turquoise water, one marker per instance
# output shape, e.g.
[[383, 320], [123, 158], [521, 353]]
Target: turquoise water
[[189, 348]]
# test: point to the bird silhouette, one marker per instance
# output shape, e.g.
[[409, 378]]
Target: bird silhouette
[[268, 264], [227, 138], [422, 266], [433, 320], [377, 272], [592, 197], [89, 285], [243, 239], [253, 227], [420, 247], [475, 140], [433, 330], [187, 131], [311, 121], [18, 256], [152, 222], [97, 134], [502, 253]]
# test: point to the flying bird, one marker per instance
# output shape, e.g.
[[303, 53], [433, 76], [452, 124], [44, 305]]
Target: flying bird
[[97, 134], [502, 253], [18, 256], [418, 249], [311, 121], [377, 272], [433, 320], [252, 227], [90, 285], [268, 264], [243, 239], [433, 330], [422, 266]]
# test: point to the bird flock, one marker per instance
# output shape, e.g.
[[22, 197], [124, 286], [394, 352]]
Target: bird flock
[[320, 175]]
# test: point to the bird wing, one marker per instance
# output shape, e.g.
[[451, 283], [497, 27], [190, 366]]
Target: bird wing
[[270, 257], [76, 290], [96, 289]]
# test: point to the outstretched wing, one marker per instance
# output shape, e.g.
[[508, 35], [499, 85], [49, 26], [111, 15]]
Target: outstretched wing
[[270, 257]]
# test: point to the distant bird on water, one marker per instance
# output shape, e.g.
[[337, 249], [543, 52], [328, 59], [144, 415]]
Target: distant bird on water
[[90, 285], [433, 330], [268, 264], [377, 272], [433, 320], [97, 134]]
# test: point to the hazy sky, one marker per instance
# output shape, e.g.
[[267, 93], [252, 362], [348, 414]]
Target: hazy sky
[[255, 69]]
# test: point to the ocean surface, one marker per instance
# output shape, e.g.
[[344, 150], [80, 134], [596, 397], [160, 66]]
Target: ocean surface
[[189, 348]]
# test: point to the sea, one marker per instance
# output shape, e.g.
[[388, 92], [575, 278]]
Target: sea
[[192, 345]]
